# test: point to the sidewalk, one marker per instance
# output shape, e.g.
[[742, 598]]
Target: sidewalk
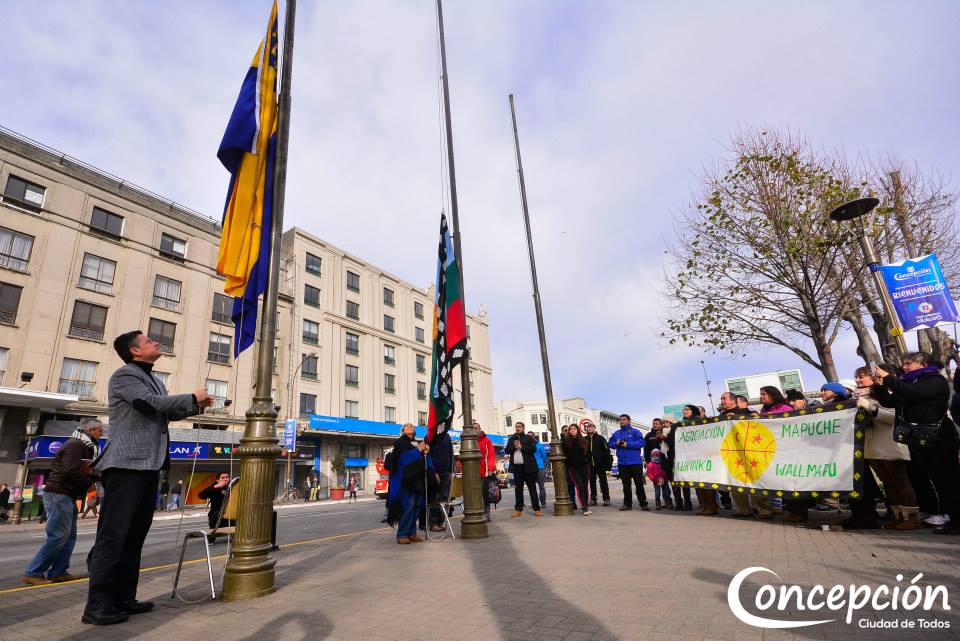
[[656, 576]]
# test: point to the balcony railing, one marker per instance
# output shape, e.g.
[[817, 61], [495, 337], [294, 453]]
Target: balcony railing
[[222, 318], [310, 376], [8, 317], [353, 351], [352, 384], [86, 332], [166, 349], [218, 357], [311, 339], [390, 390], [389, 360], [84, 389]]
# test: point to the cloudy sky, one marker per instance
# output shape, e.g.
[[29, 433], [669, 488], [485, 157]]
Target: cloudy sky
[[620, 106]]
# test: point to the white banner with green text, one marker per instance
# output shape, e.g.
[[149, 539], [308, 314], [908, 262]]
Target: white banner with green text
[[812, 451]]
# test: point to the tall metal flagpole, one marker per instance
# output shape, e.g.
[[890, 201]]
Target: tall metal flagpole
[[474, 525], [250, 571], [562, 505]]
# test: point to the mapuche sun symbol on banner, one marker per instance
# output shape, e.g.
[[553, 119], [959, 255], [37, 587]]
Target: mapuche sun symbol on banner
[[449, 335], [748, 450]]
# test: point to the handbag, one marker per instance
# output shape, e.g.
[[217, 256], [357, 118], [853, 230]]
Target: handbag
[[917, 434]]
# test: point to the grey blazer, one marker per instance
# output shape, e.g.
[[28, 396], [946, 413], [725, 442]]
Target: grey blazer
[[140, 411]]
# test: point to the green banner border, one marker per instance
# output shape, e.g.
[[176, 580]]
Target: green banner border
[[860, 421]]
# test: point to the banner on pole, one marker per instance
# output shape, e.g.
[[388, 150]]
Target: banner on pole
[[290, 434], [813, 452], [919, 293]]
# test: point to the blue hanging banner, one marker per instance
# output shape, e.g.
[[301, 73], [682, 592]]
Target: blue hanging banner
[[290, 434], [919, 293]]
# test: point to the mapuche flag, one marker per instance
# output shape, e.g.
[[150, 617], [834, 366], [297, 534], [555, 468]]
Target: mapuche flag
[[449, 335], [248, 152]]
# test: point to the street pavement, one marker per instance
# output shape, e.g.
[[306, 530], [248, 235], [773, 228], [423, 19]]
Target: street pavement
[[654, 576]]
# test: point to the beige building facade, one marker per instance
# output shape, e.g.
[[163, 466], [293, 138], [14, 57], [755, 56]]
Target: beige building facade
[[533, 414], [85, 256]]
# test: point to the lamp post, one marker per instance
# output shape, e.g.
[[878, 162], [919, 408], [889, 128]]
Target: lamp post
[[290, 406], [18, 502], [856, 210]]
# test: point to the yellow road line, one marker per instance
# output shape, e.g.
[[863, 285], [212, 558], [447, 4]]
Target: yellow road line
[[166, 566]]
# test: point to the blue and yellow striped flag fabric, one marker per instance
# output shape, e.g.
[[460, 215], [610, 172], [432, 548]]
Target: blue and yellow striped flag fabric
[[247, 151]]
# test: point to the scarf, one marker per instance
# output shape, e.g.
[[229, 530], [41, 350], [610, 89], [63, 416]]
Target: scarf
[[917, 373], [83, 437]]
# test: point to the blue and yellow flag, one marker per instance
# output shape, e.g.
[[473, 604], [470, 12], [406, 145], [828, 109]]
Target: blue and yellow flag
[[247, 151]]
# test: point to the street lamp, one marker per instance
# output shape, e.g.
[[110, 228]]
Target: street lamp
[[856, 210], [290, 406], [18, 502]]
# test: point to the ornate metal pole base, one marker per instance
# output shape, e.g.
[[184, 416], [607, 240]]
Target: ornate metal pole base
[[562, 506], [250, 570], [474, 524]]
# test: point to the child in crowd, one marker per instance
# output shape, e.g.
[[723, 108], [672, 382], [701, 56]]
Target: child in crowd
[[657, 475]]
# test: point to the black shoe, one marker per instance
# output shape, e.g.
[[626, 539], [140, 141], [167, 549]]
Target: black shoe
[[105, 618], [137, 607], [606, 501], [383, 520], [644, 507], [947, 528], [626, 508], [678, 507]]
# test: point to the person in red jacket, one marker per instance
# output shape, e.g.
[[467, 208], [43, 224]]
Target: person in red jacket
[[488, 461]]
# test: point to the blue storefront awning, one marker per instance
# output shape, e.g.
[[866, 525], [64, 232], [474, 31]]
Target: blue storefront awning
[[355, 462]]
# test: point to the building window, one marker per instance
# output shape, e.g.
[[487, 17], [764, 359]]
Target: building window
[[421, 390], [389, 354], [351, 409], [9, 302], [218, 350], [544, 437], [166, 293], [24, 193], [96, 273], [105, 222], [353, 281], [4, 353], [509, 421], [389, 323], [473, 401], [352, 376], [88, 320], [353, 344], [164, 333], [222, 309], [353, 310], [163, 377], [419, 335], [15, 249], [218, 392], [352, 450], [308, 405], [543, 419], [389, 414], [388, 297], [534, 419], [313, 264], [78, 378], [418, 310], [421, 364], [389, 383], [311, 296], [421, 418], [468, 330], [309, 367], [173, 247], [311, 332]]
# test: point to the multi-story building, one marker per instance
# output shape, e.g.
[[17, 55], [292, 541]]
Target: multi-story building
[[85, 256], [533, 414]]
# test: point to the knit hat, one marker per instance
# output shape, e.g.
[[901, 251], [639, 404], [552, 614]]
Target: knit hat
[[836, 388]]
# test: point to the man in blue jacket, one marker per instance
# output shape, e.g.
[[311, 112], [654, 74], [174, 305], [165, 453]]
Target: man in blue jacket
[[541, 456], [629, 442]]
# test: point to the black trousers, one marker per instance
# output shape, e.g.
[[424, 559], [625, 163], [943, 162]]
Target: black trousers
[[443, 495], [943, 467], [595, 473], [520, 478], [633, 473], [126, 515], [578, 486]]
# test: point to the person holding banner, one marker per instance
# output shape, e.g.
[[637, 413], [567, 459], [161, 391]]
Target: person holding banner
[[886, 457], [706, 497], [921, 397], [681, 493], [731, 409]]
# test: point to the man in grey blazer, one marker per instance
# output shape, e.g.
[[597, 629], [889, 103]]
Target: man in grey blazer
[[140, 411]]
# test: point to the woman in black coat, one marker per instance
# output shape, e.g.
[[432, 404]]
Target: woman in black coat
[[575, 450], [921, 396]]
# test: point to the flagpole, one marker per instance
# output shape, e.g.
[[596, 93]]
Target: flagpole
[[250, 570], [474, 524], [562, 505]]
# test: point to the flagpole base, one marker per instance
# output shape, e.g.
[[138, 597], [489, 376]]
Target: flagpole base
[[474, 524]]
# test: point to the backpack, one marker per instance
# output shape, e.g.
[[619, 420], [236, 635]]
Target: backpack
[[491, 489]]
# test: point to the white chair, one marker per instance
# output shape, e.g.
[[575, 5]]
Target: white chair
[[228, 512]]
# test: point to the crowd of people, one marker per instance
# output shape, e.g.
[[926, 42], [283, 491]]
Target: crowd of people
[[910, 448]]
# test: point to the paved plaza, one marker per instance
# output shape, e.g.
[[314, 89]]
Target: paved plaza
[[659, 576]]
